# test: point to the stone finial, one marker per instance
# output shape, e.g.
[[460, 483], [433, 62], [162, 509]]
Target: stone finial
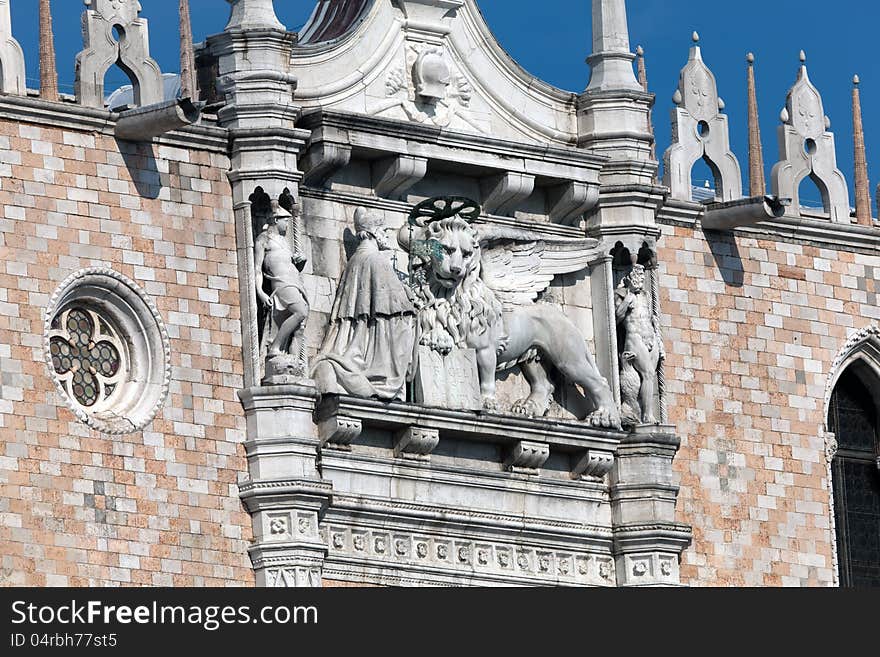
[[113, 33], [863, 187], [253, 14], [188, 84], [48, 68], [700, 131], [757, 184], [12, 71], [807, 150]]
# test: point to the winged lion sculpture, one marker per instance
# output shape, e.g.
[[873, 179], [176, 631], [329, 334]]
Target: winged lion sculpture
[[476, 287]]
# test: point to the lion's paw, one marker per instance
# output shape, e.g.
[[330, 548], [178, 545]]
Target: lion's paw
[[490, 403], [604, 418], [529, 408], [438, 340]]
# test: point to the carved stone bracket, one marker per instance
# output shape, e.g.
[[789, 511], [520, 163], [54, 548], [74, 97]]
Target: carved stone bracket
[[594, 464], [415, 442], [339, 431], [567, 203], [527, 457], [526, 443], [113, 33], [322, 160], [502, 194], [395, 175]]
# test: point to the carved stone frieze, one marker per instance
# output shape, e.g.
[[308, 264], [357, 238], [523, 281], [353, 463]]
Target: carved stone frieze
[[426, 556]]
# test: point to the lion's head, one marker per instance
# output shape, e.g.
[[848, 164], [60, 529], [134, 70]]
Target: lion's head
[[453, 251], [454, 297]]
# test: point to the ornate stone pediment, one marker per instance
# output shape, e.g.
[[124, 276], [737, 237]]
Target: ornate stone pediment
[[433, 63]]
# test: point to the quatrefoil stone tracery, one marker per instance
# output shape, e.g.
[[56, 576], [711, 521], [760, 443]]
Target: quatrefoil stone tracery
[[86, 356]]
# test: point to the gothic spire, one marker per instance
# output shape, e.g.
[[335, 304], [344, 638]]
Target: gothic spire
[[611, 61], [188, 88], [863, 191], [48, 69], [643, 72], [757, 183], [643, 80]]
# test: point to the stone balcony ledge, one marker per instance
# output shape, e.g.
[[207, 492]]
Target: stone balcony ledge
[[417, 430]]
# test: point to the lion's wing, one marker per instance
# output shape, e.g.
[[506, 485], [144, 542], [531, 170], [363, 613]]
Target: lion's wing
[[519, 271]]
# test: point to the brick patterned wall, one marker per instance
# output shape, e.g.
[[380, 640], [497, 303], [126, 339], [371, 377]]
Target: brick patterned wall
[[752, 329], [154, 507]]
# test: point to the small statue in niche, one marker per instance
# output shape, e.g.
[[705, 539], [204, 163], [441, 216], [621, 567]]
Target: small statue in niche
[[368, 349], [642, 347], [280, 289]]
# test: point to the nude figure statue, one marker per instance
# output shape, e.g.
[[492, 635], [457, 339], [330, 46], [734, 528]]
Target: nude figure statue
[[275, 263], [642, 344]]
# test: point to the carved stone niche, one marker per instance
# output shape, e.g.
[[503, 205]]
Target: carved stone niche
[[113, 33]]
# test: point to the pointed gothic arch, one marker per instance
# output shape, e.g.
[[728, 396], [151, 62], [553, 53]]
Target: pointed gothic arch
[[852, 408]]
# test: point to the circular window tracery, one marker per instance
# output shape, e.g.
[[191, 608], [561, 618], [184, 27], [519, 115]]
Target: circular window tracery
[[87, 356], [107, 350]]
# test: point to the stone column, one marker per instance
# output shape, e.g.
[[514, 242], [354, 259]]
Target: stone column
[[647, 540], [614, 120], [188, 86], [283, 492], [611, 61]]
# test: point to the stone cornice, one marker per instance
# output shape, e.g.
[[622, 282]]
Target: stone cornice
[[71, 116], [794, 230], [409, 133]]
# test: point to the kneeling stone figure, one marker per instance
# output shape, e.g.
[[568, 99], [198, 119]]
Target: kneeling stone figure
[[368, 349]]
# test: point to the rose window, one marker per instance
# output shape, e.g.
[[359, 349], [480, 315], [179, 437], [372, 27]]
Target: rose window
[[87, 356], [107, 350]]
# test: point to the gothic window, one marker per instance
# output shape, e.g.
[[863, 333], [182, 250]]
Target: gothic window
[[107, 350], [853, 417]]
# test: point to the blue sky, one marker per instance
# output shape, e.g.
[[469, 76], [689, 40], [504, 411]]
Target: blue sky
[[551, 39]]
